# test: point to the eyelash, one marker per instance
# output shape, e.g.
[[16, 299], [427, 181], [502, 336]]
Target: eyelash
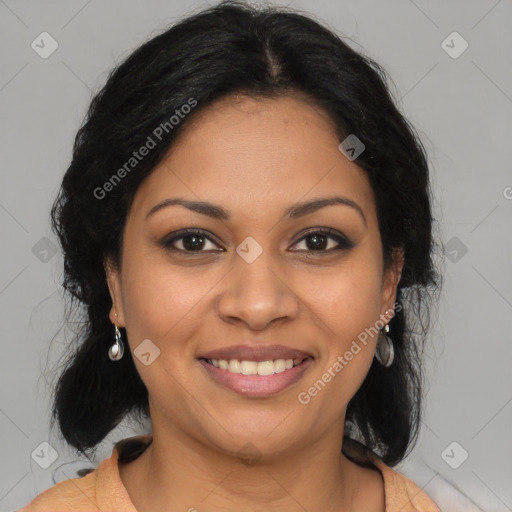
[[343, 242]]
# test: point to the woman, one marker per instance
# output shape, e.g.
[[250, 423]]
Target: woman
[[247, 221]]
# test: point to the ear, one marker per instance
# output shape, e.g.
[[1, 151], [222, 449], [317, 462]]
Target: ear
[[114, 286], [391, 279]]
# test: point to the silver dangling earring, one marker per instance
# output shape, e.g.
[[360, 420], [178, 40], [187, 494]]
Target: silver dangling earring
[[116, 351], [385, 352]]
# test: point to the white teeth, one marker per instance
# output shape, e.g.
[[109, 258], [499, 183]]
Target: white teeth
[[234, 366], [255, 368], [279, 365], [266, 368], [249, 367]]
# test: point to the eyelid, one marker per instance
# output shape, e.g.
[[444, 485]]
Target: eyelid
[[343, 242], [168, 240]]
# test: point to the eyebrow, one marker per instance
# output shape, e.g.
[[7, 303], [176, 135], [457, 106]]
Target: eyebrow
[[293, 212]]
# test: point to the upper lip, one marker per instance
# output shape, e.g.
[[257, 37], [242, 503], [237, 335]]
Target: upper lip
[[256, 352]]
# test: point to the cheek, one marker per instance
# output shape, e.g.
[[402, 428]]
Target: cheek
[[162, 303], [347, 303], [348, 299]]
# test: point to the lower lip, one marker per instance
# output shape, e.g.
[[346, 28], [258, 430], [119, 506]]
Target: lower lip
[[257, 385]]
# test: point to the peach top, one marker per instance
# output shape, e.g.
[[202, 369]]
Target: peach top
[[102, 489]]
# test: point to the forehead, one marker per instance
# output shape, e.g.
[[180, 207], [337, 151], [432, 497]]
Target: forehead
[[249, 154]]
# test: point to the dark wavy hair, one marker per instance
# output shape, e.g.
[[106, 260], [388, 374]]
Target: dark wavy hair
[[263, 52]]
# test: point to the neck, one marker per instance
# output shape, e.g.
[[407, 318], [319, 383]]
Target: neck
[[177, 472]]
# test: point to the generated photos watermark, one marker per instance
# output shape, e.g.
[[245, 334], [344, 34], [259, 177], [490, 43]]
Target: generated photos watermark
[[151, 142], [304, 397]]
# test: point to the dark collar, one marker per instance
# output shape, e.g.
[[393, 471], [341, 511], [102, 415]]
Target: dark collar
[[129, 449]]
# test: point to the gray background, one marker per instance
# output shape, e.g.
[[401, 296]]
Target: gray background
[[462, 109]]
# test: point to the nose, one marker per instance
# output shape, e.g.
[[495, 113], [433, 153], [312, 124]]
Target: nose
[[257, 294]]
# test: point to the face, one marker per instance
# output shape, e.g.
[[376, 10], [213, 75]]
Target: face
[[258, 284]]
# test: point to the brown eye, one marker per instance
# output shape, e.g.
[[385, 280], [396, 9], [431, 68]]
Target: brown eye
[[191, 240], [197, 241], [318, 241]]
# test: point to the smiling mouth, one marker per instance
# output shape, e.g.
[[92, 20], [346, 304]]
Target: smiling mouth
[[257, 378], [262, 368]]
